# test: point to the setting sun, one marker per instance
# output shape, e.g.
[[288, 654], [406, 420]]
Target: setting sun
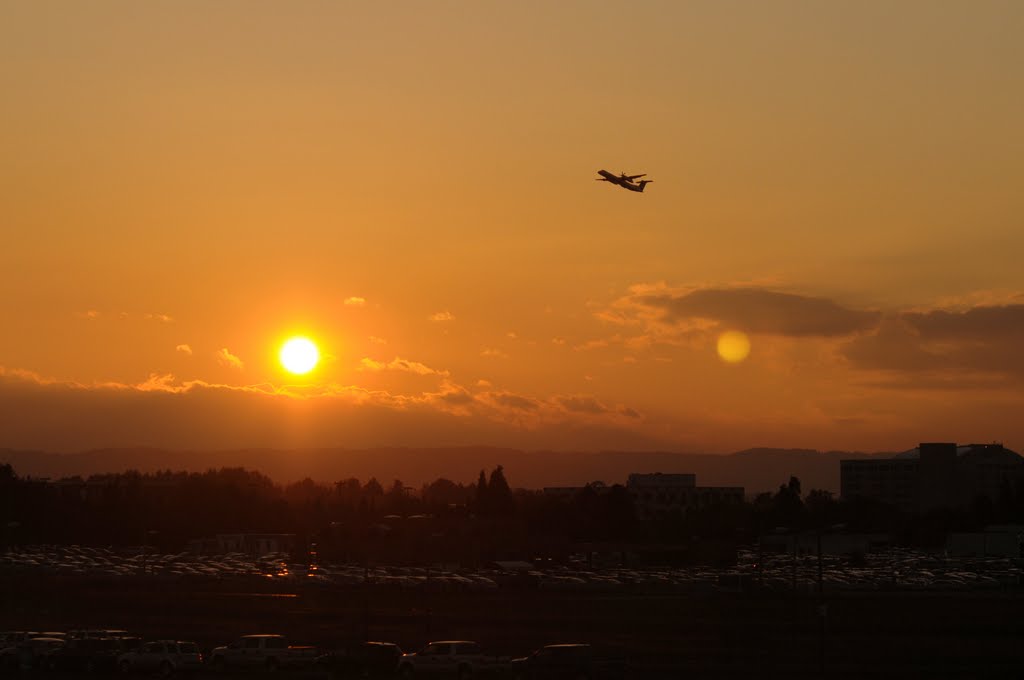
[[299, 355]]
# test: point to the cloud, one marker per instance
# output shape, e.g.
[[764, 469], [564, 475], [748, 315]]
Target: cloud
[[894, 346], [355, 301], [972, 342], [757, 310], [157, 383], [442, 316], [184, 349], [455, 395], [400, 364], [979, 323], [594, 344], [939, 348], [226, 358], [378, 341], [494, 353], [514, 401], [582, 404], [93, 315], [41, 413]]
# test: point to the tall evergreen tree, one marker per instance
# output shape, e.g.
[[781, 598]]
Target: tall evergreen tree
[[483, 504], [498, 492]]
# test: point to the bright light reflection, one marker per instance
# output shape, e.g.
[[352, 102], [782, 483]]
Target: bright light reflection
[[733, 346]]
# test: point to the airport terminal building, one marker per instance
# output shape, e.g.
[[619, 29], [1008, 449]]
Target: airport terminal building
[[657, 495], [933, 475]]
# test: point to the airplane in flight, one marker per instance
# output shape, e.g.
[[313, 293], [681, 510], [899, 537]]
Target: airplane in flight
[[625, 181]]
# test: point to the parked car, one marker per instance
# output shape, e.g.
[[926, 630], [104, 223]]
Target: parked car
[[568, 662], [29, 654], [165, 657], [90, 655], [449, 659], [373, 660], [82, 633], [269, 652]]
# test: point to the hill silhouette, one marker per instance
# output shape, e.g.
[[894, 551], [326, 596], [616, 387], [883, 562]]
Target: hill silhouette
[[761, 469]]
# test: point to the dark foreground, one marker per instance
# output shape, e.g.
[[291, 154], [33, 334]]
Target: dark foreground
[[696, 635]]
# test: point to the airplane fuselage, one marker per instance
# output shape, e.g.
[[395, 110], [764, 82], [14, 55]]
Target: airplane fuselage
[[625, 181]]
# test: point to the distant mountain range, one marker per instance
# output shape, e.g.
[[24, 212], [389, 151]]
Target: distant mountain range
[[754, 469]]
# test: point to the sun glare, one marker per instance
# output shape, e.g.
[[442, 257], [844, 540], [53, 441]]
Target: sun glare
[[299, 355], [733, 346]]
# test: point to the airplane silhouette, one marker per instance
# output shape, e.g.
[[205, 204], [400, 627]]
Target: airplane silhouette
[[625, 181]]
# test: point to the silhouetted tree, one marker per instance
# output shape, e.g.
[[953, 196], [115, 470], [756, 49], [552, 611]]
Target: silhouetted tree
[[372, 491], [499, 495], [482, 501], [396, 499], [348, 492], [789, 507], [442, 493]]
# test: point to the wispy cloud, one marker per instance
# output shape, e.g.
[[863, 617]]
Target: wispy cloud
[[161, 411], [514, 401], [442, 316], [355, 301], [378, 341], [93, 315], [400, 364], [184, 349], [582, 404], [750, 309], [593, 344], [493, 353], [226, 358]]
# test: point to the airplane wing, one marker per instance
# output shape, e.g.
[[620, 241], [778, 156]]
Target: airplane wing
[[633, 177]]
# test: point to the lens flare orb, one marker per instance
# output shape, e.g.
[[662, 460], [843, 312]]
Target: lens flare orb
[[733, 346]]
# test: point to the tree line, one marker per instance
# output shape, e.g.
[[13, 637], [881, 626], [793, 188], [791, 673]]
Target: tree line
[[445, 520]]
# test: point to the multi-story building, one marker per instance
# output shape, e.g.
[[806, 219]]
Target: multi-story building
[[567, 493], [933, 475], [658, 495]]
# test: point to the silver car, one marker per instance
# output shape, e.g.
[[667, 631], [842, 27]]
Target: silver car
[[165, 657]]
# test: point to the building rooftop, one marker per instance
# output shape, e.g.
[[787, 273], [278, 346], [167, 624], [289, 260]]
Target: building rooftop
[[964, 450]]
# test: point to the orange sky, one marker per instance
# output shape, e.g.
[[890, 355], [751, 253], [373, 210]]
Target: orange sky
[[186, 184]]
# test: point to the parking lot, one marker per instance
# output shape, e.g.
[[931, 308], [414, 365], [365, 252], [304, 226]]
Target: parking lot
[[665, 628]]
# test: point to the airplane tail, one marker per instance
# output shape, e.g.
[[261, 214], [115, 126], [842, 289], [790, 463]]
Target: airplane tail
[[643, 183]]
